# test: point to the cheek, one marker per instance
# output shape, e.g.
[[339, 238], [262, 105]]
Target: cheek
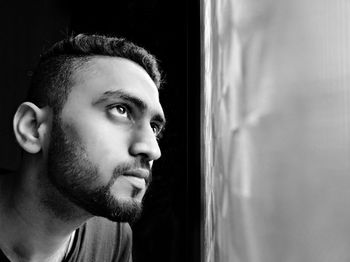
[[105, 143], [106, 147]]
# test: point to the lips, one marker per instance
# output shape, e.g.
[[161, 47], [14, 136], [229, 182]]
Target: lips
[[139, 173]]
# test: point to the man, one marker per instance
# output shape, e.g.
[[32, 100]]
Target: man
[[89, 137]]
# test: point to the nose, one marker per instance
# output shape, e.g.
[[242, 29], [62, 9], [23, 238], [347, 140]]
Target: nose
[[145, 144]]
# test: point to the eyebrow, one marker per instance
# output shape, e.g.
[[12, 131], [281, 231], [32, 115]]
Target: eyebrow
[[141, 105]]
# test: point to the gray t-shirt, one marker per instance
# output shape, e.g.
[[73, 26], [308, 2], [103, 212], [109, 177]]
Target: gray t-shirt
[[99, 240]]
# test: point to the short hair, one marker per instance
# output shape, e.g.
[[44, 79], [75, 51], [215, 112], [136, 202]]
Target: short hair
[[51, 81]]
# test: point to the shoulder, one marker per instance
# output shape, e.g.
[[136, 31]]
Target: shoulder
[[101, 230], [103, 240], [100, 226]]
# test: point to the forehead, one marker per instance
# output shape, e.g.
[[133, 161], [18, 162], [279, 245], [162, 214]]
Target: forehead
[[101, 75]]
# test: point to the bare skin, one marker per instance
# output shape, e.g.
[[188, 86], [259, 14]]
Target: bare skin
[[30, 229]]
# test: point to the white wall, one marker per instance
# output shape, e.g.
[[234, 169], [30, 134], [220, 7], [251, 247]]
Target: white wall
[[276, 130]]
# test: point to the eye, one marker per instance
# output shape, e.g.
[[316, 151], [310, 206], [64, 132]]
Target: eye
[[119, 110], [157, 130]]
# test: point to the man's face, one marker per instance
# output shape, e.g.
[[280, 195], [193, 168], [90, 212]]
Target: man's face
[[104, 142]]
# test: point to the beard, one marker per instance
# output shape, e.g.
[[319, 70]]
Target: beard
[[72, 173]]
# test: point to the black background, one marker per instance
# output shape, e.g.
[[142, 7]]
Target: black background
[[170, 227]]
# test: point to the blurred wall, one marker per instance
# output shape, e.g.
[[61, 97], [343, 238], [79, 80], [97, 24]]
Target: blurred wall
[[275, 120]]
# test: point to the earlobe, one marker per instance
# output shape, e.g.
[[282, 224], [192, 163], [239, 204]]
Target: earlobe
[[26, 124]]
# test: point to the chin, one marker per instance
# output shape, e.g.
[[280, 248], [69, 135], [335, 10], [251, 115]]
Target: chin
[[123, 210], [118, 209]]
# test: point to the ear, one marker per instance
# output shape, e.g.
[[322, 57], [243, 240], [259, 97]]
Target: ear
[[30, 124]]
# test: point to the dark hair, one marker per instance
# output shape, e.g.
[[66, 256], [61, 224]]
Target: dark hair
[[51, 81]]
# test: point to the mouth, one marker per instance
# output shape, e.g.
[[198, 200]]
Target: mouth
[[132, 183], [139, 176]]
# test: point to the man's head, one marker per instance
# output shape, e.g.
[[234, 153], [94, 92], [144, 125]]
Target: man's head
[[106, 116]]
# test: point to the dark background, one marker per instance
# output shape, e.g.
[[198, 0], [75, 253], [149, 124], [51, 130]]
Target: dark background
[[169, 228]]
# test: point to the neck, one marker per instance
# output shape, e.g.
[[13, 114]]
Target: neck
[[30, 228]]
